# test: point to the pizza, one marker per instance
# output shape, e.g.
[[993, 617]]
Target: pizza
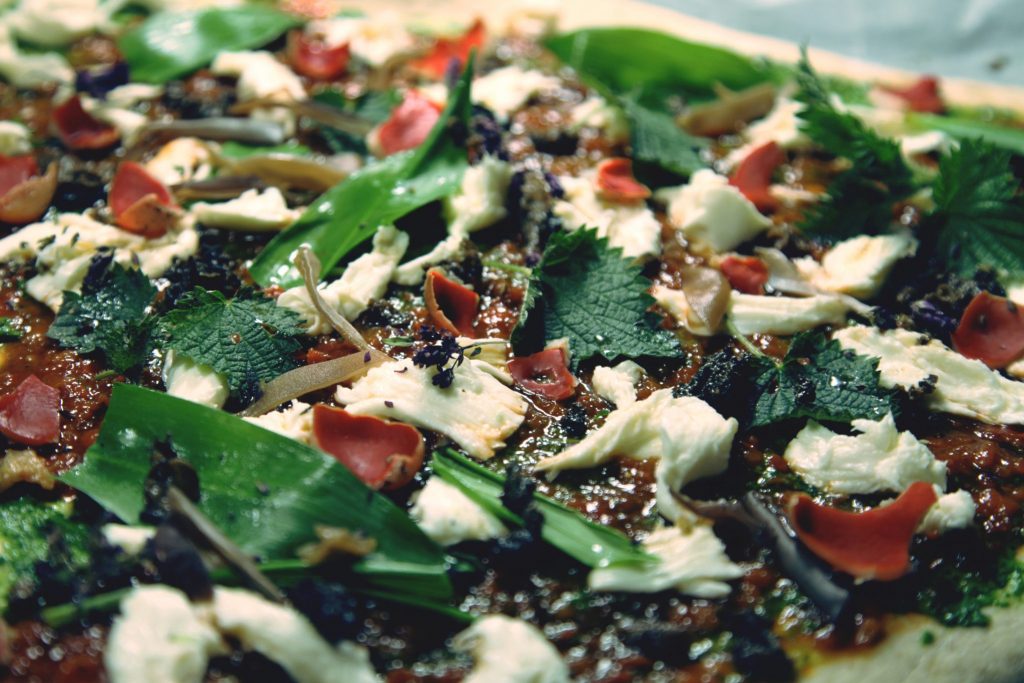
[[535, 342]]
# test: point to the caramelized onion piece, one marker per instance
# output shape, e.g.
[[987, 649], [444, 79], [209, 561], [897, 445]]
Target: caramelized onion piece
[[248, 131], [310, 378], [25, 467], [219, 188], [322, 113], [707, 293], [729, 111], [288, 171], [333, 542], [29, 199]]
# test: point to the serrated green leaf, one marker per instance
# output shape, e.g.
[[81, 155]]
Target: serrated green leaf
[[657, 139], [265, 491], [171, 44], [586, 291], [109, 316], [978, 216], [245, 338], [349, 213]]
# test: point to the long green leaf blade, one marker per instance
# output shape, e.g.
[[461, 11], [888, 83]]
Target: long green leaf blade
[[170, 44], [349, 213], [235, 461], [569, 531], [964, 129]]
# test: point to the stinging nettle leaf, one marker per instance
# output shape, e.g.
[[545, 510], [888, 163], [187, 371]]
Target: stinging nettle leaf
[[168, 45], [586, 291], [349, 213], [245, 338], [657, 139], [264, 490]]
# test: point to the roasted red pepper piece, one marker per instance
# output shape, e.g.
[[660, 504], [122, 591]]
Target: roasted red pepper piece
[[451, 306], [753, 177], [78, 129], [30, 414], [544, 373], [615, 182], [435, 63], [383, 454], [991, 330], [747, 274]]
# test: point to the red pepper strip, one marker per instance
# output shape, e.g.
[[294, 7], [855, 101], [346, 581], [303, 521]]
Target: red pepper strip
[[615, 182], [753, 177], [408, 126], [922, 96], [451, 306], [991, 330], [15, 171], [31, 413], [382, 454], [79, 130], [747, 274], [868, 545], [544, 373], [29, 199], [140, 203], [435, 63], [314, 58]]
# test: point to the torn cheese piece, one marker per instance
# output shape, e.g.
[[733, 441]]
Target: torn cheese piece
[[374, 40], [597, 112], [295, 421], [58, 23], [365, 279], [951, 511], [756, 314], [480, 201], [253, 210], [15, 139], [617, 383], [858, 266], [192, 381], [159, 636], [477, 411], [878, 458], [31, 70], [412, 272], [65, 246], [448, 516], [507, 89], [181, 160], [674, 302], [962, 386], [286, 637], [713, 215], [691, 561], [260, 76], [507, 650], [630, 227]]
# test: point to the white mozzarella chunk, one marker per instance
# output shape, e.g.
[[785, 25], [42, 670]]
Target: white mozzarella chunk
[[962, 386], [618, 383], [127, 122], [24, 70], [130, 539], [160, 638], [712, 214], [507, 89], [477, 411], [412, 272], [858, 266], [507, 650], [365, 279], [925, 143], [755, 314], [295, 422], [287, 638], [181, 160], [690, 439], [597, 112], [781, 125], [130, 94], [260, 76], [253, 210], [56, 23], [15, 139], [192, 381], [630, 227], [676, 305], [878, 458], [951, 511], [691, 561], [480, 201], [491, 354], [374, 40], [64, 247], [448, 516]]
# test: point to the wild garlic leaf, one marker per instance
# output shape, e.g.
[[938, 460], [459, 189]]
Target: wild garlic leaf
[[586, 291], [247, 339], [109, 316], [859, 201], [978, 216], [349, 213]]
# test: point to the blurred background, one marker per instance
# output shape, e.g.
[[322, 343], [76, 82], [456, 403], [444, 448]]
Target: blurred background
[[978, 39]]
